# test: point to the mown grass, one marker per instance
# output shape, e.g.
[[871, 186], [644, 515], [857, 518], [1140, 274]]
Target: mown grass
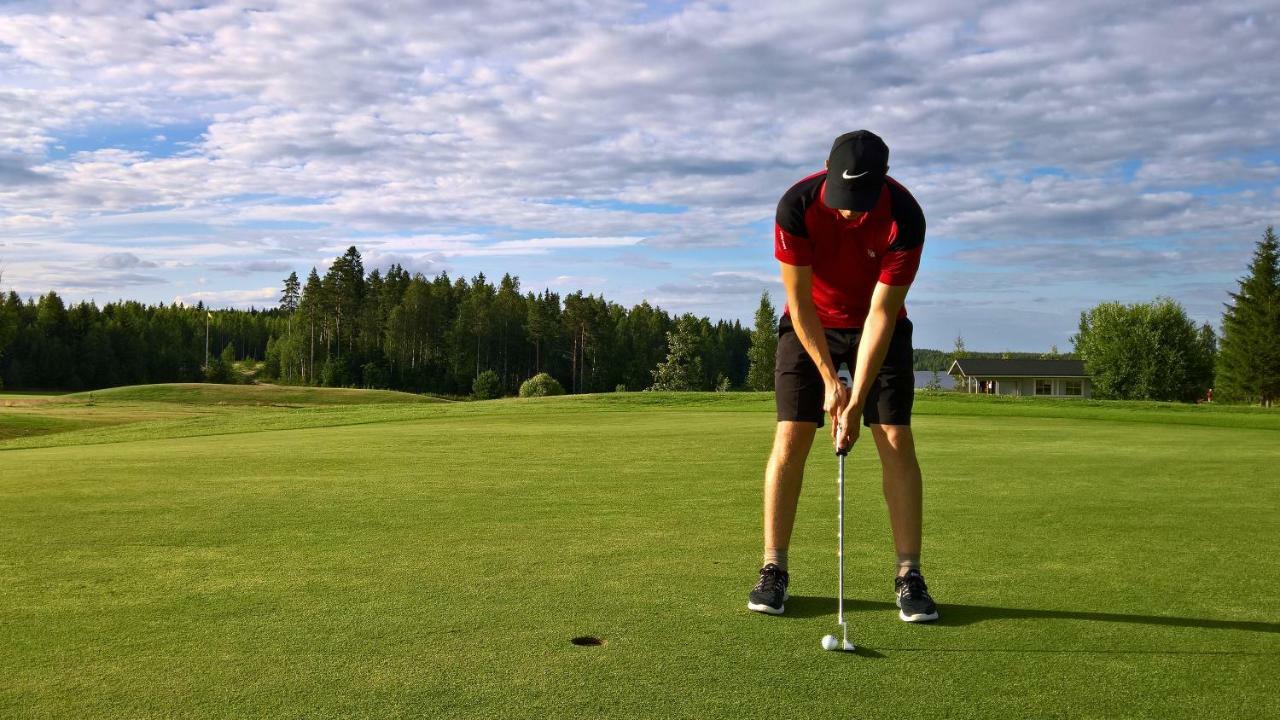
[[434, 560], [13, 425], [139, 412], [260, 394]]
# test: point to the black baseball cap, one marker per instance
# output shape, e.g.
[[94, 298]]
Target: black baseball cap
[[855, 171]]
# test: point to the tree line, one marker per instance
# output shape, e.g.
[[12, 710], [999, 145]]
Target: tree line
[[406, 331], [1153, 351], [396, 330], [44, 344]]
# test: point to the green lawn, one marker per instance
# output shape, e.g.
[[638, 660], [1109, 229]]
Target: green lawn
[[21, 394], [260, 394], [22, 425], [434, 559]]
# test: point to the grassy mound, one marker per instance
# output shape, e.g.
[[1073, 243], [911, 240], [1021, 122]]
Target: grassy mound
[[14, 425], [211, 394]]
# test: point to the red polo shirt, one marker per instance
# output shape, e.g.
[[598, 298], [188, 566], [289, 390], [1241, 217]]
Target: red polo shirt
[[849, 257]]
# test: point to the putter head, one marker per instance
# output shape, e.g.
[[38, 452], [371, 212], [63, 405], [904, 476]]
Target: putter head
[[845, 645], [831, 643]]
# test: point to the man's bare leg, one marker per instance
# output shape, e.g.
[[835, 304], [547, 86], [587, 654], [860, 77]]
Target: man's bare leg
[[782, 480], [902, 490], [902, 493]]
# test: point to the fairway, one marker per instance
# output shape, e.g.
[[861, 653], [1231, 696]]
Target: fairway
[[432, 559]]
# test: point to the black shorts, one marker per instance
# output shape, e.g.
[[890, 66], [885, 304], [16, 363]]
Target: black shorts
[[798, 388]]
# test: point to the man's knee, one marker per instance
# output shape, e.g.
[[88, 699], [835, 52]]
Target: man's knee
[[792, 441], [895, 443]]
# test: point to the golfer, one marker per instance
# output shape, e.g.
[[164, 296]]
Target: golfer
[[849, 241]]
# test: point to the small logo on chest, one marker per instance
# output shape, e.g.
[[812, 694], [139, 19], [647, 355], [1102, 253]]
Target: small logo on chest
[[871, 253]]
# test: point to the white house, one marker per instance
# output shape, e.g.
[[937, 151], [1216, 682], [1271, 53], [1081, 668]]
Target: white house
[[993, 376]]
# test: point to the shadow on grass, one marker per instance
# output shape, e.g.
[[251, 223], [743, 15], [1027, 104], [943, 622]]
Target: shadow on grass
[[864, 651], [802, 606]]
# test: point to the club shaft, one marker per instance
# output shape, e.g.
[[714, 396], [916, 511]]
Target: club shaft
[[840, 547]]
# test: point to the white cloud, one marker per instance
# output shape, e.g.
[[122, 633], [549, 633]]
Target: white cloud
[[538, 245], [262, 297], [122, 260], [574, 282], [453, 131]]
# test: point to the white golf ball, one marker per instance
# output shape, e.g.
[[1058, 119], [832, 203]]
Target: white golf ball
[[829, 642]]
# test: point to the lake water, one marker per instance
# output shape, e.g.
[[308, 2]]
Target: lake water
[[924, 377]]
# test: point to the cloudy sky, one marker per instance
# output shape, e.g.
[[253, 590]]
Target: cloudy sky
[[1065, 153]]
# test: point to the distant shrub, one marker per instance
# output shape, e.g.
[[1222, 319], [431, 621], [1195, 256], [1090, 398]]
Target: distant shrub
[[540, 385], [221, 369], [620, 388], [375, 375], [487, 386], [935, 383], [336, 373]]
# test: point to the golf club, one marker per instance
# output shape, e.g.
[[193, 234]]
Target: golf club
[[829, 642]]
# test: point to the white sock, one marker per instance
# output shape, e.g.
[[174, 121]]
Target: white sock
[[777, 556]]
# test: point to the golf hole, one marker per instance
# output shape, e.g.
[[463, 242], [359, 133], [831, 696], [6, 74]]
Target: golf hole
[[587, 640]]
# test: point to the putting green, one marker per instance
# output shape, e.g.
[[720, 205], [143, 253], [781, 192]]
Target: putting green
[[436, 559]]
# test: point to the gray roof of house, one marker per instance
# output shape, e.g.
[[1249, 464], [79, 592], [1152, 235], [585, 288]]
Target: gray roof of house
[[995, 367]]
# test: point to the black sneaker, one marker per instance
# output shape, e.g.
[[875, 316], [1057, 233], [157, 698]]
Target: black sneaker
[[770, 593], [914, 603]]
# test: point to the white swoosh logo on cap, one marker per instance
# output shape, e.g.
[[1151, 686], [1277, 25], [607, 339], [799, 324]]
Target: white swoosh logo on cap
[[847, 176]]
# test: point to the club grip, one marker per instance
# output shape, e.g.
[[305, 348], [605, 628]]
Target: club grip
[[844, 451]]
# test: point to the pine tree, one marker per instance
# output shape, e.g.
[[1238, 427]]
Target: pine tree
[[8, 321], [475, 318], [310, 304], [764, 345], [289, 298], [344, 287], [542, 325], [1249, 359]]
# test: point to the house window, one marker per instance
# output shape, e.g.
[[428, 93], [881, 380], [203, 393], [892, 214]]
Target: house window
[[1044, 387], [1073, 387]]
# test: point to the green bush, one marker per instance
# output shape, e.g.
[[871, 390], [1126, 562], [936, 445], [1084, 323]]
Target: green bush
[[540, 385], [375, 375], [222, 369], [487, 386], [934, 384], [1146, 351], [336, 372]]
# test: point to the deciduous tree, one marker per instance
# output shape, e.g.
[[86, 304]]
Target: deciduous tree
[[1145, 351]]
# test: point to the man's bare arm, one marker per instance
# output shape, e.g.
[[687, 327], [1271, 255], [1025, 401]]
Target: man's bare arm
[[798, 281], [877, 329], [886, 302]]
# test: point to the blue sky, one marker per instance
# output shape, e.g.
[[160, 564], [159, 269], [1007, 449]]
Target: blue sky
[[1064, 153]]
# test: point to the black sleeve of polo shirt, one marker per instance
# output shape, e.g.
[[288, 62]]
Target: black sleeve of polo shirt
[[909, 217], [795, 202]]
